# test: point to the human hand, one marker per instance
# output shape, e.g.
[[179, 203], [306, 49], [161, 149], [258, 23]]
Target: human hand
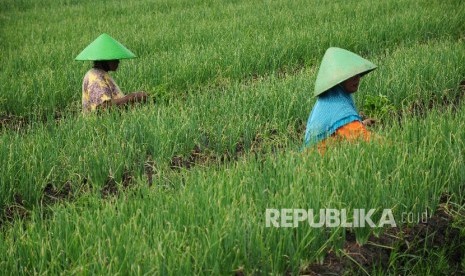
[[369, 122], [139, 97]]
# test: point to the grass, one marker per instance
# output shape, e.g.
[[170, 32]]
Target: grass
[[215, 215], [189, 45], [224, 76], [92, 147]]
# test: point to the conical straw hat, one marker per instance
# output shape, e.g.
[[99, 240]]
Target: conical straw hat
[[337, 66], [105, 48]]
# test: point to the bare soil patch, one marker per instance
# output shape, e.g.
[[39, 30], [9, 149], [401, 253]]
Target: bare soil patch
[[437, 233]]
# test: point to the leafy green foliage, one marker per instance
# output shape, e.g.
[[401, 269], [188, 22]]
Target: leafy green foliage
[[232, 84], [378, 106]]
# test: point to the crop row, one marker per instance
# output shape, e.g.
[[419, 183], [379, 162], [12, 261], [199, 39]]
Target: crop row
[[212, 219], [184, 46], [99, 146]]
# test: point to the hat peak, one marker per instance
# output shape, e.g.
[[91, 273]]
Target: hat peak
[[338, 65], [105, 47]]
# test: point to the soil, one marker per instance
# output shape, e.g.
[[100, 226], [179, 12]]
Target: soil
[[150, 169], [16, 210], [13, 122], [110, 188], [202, 155], [127, 179], [18, 123], [451, 98], [51, 195], [414, 240]]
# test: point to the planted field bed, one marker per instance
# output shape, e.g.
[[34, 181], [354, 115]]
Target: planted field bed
[[182, 185]]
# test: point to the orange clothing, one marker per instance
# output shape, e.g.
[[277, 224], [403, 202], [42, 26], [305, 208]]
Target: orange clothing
[[350, 132]]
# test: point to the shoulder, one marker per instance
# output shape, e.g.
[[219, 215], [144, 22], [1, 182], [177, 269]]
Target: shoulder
[[96, 76], [96, 73]]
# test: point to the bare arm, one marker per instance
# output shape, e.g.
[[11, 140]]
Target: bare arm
[[136, 97], [368, 122], [130, 99]]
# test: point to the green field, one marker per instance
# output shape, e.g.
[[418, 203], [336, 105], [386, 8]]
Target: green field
[[232, 85]]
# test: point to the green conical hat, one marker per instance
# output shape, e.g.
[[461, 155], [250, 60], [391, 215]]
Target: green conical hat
[[105, 48], [337, 66]]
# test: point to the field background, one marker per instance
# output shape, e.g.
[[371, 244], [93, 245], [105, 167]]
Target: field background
[[231, 83]]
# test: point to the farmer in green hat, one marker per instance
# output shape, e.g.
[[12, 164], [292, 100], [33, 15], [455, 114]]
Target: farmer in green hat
[[334, 114], [99, 90]]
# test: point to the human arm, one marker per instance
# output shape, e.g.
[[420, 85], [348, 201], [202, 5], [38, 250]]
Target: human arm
[[136, 97], [367, 121], [130, 99]]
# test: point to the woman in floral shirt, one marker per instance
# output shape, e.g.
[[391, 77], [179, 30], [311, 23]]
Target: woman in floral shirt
[[99, 90]]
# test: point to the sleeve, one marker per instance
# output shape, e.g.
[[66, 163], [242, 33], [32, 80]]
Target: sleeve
[[115, 91]]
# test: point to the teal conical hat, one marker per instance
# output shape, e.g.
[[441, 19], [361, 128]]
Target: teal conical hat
[[105, 48], [337, 66]]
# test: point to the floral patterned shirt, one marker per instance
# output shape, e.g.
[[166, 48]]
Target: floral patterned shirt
[[97, 88]]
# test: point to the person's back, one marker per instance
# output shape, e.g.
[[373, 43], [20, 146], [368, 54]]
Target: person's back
[[97, 88]]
